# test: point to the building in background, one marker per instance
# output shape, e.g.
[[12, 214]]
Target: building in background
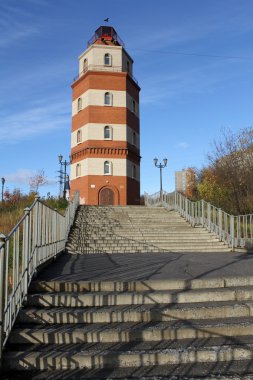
[[105, 137], [181, 179]]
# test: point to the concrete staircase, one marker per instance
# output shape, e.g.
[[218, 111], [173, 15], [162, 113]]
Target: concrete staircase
[[134, 229], [153, 329]]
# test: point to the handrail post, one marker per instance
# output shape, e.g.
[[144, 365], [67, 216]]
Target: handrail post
[[35, 233], [199, 212], [2, 293], [26, 246], [232, 231], [238, 230], [193, 214], [202, 212], [209, 216], [220, 223]]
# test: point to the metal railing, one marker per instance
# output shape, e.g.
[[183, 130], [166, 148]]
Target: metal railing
[[105, 32], [39, 236], [235, 231], [115, 69]]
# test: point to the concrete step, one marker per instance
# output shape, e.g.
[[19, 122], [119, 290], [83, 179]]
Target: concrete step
[[147, 250], [232, 370], [136, 313], [145, 247], [111, 355], [164, 240], [136, 286], [142, 298], [104, 230], [131, 332]]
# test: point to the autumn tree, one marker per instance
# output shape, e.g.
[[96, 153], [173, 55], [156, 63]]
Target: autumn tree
[[12, 197], [231, 162], [191, 190], [211, 190]]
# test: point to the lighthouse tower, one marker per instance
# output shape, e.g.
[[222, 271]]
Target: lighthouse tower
[[105, 137]]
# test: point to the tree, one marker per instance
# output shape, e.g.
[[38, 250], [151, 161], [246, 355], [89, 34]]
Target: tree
[[37, 180], [232, 164], [211, 191], [13, 197], [191, 184]]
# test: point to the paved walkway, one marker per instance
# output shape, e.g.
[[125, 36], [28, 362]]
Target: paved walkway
[[130, 267]]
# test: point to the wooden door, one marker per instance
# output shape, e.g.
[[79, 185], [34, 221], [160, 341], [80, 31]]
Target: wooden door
[[106, 197]]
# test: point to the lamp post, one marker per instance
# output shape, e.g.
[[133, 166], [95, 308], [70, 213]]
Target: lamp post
[[63, 180], [3, 182], [160, 166]]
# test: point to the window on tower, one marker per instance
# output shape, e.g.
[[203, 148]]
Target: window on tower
[[107, 168], [78, 170], [107, 60], [107, 133], [85, 65], [108, 99], [134, 138], [133, 106], [79, 104], [79, 136], [134, 171]]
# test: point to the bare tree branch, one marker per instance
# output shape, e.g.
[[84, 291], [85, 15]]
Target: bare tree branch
[[37, 180]]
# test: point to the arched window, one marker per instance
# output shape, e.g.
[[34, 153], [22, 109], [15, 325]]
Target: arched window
[[134, 138], [107, 167], [107, 132], [107, 60], [134, 171], [85, 65], [108, 99], [78, 170], [133, 106], [79, 136], [79, 104]]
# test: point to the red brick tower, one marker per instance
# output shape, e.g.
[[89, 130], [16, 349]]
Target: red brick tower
[[105, 138]]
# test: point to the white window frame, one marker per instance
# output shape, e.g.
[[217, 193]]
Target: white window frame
[[78, 170], [108, 95], [79, 136], [79, 104], [109, 163], [109, 57], [108, 128], [85, 65]]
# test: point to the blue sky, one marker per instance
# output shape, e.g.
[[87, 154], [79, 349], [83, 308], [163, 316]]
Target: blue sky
[[193, 60]]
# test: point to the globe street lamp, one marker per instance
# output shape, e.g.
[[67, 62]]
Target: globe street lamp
[[160, 166], [64, 173], [3, 182]]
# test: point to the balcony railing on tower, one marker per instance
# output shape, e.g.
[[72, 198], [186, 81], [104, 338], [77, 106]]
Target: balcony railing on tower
[[106, 33], [117, 69]]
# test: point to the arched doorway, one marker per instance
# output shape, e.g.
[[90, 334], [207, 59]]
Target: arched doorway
[[106, 197]]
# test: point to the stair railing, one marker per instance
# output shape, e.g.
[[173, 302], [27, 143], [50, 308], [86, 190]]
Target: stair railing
[[38, 237], [235, 231]]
